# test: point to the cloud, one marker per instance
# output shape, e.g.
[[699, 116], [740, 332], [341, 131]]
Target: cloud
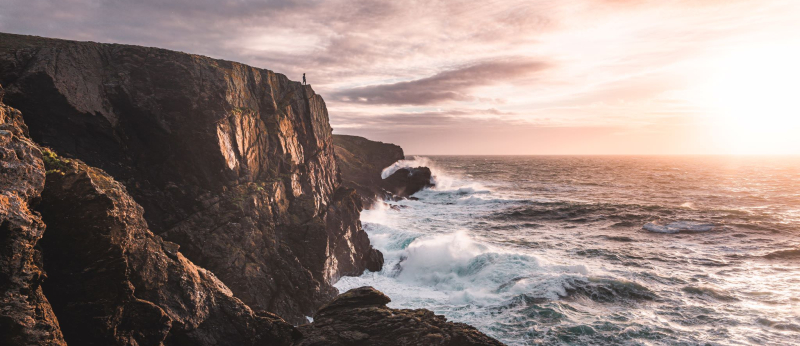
[[451, 85], [385, 64], [426, 119]]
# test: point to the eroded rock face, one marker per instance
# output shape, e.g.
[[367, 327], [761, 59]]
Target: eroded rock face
[[360, 317], [113, 282], [233, 163], [407, 181], [361, 162], [26, 317]]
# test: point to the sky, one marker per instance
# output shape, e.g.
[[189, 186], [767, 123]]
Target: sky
[[511, 77]]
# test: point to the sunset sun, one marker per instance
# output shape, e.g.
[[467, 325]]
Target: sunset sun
[[753, 97]]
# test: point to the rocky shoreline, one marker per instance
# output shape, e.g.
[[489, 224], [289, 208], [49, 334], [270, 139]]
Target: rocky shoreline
[[152, 197], [362, 162]]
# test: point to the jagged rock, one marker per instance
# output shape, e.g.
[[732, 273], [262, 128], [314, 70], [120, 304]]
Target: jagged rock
[[361, 162], [360, 317], [407, 181], [344, 213], [113, 282], [26, 317], [233, 163]]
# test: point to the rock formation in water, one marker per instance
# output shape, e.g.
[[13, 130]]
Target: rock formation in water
[[360, 317], [405, 182], [361, 162], [26, 317], [233, 163]]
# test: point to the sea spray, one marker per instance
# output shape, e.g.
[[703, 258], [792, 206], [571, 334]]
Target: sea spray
[[442, 180]]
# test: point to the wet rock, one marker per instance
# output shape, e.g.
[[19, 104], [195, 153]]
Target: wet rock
[[113, 282], [361, 162], [360, 317], [233, 163], [407, 181], [26, 317]]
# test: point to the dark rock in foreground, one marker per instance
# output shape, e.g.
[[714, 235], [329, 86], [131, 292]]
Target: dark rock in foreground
[[26, 317], [360, 317], [361, 162], [113, 282], [407, 181]]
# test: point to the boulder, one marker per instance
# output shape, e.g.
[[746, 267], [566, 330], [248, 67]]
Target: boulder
[[407, 181], [360, 317]]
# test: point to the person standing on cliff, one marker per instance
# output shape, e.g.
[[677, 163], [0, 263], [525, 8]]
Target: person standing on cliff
[[304, 79]]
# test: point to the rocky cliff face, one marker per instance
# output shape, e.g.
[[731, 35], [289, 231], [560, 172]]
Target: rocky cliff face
[[113, 282], [233, 163], [361, 162], [26, 317]]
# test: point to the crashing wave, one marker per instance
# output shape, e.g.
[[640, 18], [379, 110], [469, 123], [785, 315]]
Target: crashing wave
[[439, 178], [417, 161]]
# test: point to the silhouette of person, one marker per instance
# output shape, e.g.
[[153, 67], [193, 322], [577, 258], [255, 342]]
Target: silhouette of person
[[304, 79]]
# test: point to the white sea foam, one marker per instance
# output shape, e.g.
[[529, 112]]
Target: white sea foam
[[453, 272]]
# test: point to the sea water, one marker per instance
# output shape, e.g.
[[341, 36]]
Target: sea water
[[599, 250]]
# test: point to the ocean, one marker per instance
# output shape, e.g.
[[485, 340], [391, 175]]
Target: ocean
[[599, 250]]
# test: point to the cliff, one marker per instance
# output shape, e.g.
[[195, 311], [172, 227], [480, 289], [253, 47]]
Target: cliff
[[213, 226], [113, 282], [233, 163], [26, 317], [361, 162]]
